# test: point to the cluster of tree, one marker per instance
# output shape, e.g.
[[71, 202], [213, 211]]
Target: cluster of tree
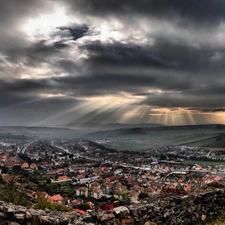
[[94, 144], [44, 203], [9, 192], [26, 158]]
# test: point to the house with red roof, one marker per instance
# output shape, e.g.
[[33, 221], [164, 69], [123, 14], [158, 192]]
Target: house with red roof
[[56, 198], [113, 178], [33, 166], [25, 165], [188, 188], [4, 157], [62, 178], [82, 212], [75, 202]]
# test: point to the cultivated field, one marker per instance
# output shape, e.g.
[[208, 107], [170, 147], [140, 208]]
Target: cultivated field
[[147, 139]]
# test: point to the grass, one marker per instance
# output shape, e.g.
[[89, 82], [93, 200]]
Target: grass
[[149, 141]]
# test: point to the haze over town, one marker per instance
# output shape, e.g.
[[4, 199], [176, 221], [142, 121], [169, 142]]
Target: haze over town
[[64, 62]]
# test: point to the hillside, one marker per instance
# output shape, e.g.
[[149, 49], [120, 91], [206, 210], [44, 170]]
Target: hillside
[[147, 138], [38, 132]]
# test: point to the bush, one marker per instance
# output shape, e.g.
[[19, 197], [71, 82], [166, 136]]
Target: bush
[[43, 203], [9, 193]]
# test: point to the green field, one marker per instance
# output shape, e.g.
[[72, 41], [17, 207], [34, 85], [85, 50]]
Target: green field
[[149, 140]]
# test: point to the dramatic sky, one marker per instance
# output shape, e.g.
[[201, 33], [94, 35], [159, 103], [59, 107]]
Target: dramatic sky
[[112, 61]]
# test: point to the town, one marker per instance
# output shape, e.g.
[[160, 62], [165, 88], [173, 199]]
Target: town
[[86, 177]]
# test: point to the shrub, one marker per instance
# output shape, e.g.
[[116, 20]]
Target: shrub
[[43, 203]]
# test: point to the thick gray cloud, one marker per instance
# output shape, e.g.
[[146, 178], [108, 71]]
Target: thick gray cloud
[[199, 13], [110, 61]]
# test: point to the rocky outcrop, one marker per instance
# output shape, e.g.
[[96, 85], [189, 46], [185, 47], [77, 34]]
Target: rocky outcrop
[[176, 210]]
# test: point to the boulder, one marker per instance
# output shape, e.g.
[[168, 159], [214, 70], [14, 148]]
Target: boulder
[[150, 223], [106, 216], [36, 220], [121, 211], [19, 216]]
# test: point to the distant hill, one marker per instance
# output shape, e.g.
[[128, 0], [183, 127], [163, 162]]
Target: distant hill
[[136, 129], [94, 127], [40, 132], [148, 138]]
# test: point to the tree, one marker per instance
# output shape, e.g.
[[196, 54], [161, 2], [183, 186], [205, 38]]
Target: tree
[[124, 194], [9, 192], [43, 203]]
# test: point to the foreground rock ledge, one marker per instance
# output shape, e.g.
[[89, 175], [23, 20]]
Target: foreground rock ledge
[[169, 210]]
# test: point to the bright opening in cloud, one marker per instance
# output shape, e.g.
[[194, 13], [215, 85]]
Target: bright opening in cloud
[[43, 25]]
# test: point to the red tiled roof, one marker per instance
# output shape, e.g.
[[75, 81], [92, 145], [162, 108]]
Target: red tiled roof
[[63, 177], [188, 188], [57, 197], [80, 211], [113, 178]]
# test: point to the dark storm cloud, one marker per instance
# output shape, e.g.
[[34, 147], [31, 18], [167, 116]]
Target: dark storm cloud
[[123, 55], [191, 102], [164, 54], [214, 110], [16, 91], [35, 54], [115, 83], [76, 31], [197, 12], [168, 53]]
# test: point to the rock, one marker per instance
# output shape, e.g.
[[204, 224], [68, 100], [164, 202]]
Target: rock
[[21, 209], [166, 214], [127, 221], [106, 216], [203, 217], [36, 220], [47, 210], [64, 221], [19, 216], [187, 221], [3, 216], [116, 222], [150, 223], [41, 212], [45, 220], [28, 215], [121, 211], [11, 210], [57, 221]]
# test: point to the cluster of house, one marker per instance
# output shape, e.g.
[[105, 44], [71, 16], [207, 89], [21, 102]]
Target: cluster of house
[[130, 183], [186, 152], [119, 174]]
